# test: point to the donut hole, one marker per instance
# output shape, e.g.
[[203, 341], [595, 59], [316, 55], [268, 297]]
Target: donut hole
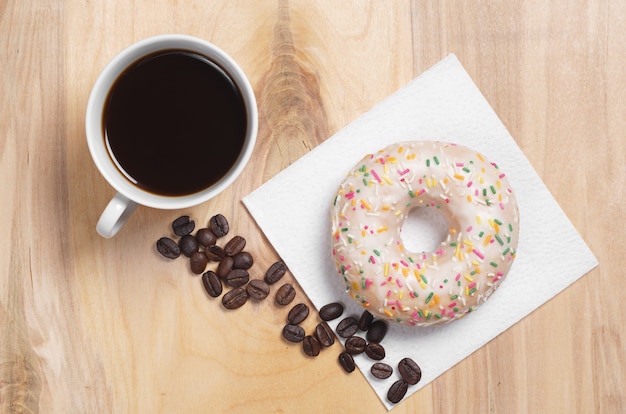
[[424, 229]]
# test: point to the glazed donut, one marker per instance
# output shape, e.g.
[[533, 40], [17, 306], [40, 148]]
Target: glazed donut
[[424, 288]]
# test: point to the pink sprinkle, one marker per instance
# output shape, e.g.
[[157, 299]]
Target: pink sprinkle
[[388, 293], [471, 285], [443, 312], [500, 274], [342, 258], [411, 294], [382, 160], [452, 305], [422, 191], [414, 314], [375, 174], [439, 252], [502, 206], [459, 164], [398, 283], [372, 260], [405, 264], [447, 200], [468, 229], [476, 192], [406, 171], [479, 254], [368, 283], [469, 184], [501, 175], [350, 195], [383, 283], [458, 276], [418, 266]]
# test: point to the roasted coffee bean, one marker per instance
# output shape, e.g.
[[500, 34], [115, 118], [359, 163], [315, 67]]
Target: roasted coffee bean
[[365, 321], [168, 248], [397, 391], [355, 345], [298, 313], [198, 262], [331, 311], [258, 289], [377, 331], [237, 278], [347, 362], [243, 260], [234, 246], [375, 351], [214, 253], [183, 226], [188, 245], [219, 225], [285, 294], [310, 346], [212, 284], [205, 237], [324, 334], [234, 299], [225, 266], [275, 273], [293, 333], [409, 371], [381, 370], [347, 327]]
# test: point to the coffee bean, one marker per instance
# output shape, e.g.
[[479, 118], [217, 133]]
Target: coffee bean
[[234, 299], [205, 237], [409, 371], [258, 289], [219, 225], [310, 346], [275, 273], [397, 391], [375, 351], [168, 248], [293, 333], [365, 321], [377, 331], [347, 362], [243, 260], [237, 278], [331, 311], [183, 226], [214, 253], [324, 334], [198, 262], [347, 327], [188, 245], [298, 313], [355, 345], [234, 246], [225, 266], [381, 370], [212, 284], [285, 294]]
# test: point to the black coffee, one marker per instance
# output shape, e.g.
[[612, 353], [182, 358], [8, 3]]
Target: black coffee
[[174, 123]]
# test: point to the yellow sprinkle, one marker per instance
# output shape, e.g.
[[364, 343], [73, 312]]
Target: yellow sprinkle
[[491, 223], [481, 180], [336, 233], [363, 233], [498, 184], [405, 272], [422, 284], [468, 278], [445, 180], [365, 204], [469, 198], [388, 312], [499, 197], [436, 298], [397, 213], [487, 239], [477, 269], [480, 157], [452, 230], [392, 160], [429, 183], [466, 291], [386, 208], [431, 304], [400, 149], [426, 312], [355, 286], [382, 229], [459, 177], [478, 219], [353, 202], [387, 179], [363, 252], [469, 243], [496, 227], [401, 294], [386, 270], [401, 247]]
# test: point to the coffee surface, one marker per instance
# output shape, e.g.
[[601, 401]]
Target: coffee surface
[[174, 123]]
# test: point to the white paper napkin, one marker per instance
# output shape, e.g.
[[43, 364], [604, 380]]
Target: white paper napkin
[[293, 210]]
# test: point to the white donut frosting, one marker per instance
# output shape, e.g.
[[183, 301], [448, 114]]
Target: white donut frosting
[[424, 288]]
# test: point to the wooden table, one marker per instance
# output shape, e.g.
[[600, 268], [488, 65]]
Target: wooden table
[[89, 325]]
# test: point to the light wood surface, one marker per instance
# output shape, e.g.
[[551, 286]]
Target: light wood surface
[[89, 325]]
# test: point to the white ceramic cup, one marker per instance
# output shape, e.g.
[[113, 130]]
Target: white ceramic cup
[[129, 195]]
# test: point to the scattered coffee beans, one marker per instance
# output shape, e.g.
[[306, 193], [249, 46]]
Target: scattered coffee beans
[[234, 299], [397, 391], [293, 333], [183, 226], [219, 225], [237, 278], [214, 253], [258, 289], [365, 321], [198, 262], [355, 345], [324, 334], [225, 266], [205, 237], [188, 245], [285, 294], [212, 284], [347, 362], [243, 260], [409, 371], [168, 248], [347, 327], [377, 331], [375, 351], [331, 311], [381, 370], [234, 246], [298, 314], [275, 273], [310, 346]]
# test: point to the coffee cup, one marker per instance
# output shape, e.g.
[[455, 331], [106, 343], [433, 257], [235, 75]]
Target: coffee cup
[[171, 122]]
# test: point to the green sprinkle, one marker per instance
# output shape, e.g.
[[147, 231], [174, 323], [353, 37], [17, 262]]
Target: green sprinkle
[[484, 192], [467, 170], [455, 309], [363, 283], [488, 203], [350, 240], [358, 190], [453, 244], [438, 316], [429, 316], [506, 251], [445, 280], [411, 193], [436, 160], [415, 294], [472, 290], [411, 259], [458, 283], [424, 279], [481, 234], [454, 297], [510, 227], [493, 189], [343, 270], [420, 313], [430, 296], [361, 271], [366, 174], [344, 229], [494, 264], [499, 240], [363, 168], [335, 202], [376, 252], [498, 222], [365, 181], [428, 162], [473, 272]]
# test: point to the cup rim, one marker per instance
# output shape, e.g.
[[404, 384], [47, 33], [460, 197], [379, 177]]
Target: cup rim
[[99, 93]]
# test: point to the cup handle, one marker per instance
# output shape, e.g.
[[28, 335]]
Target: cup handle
[[115, 215]]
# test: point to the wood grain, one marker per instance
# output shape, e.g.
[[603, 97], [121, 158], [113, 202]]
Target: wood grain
[[89, 325]]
